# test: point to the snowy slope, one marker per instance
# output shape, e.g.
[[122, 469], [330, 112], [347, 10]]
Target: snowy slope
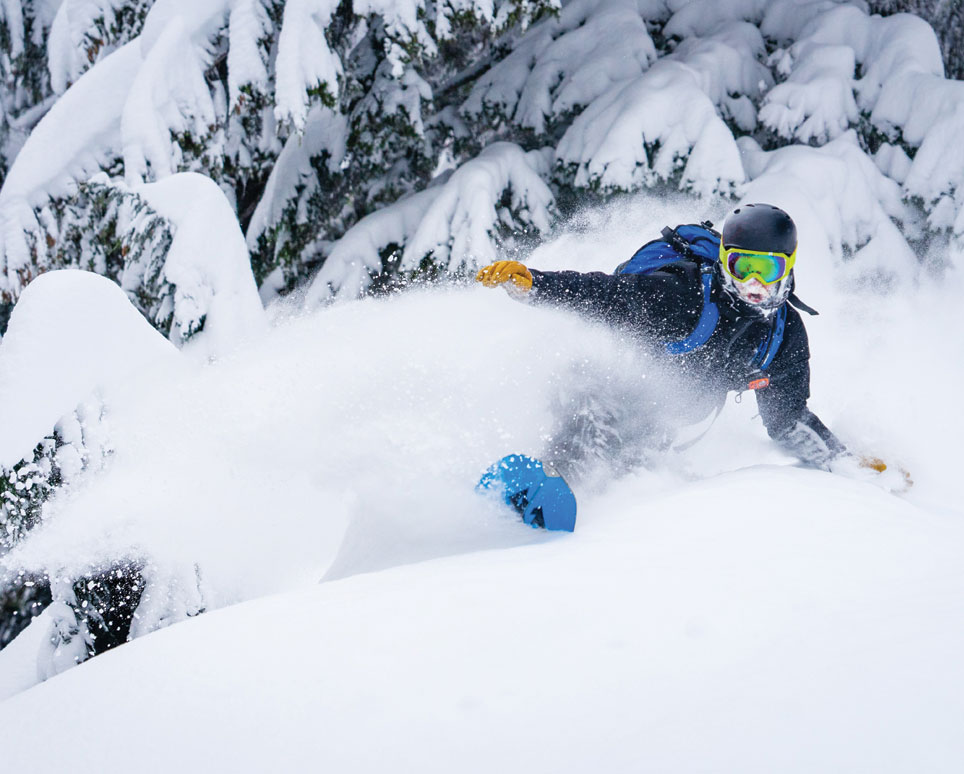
[[724, 611], [674, 631]]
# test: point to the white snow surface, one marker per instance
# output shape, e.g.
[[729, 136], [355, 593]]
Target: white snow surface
[[722, 611], [674, 637]]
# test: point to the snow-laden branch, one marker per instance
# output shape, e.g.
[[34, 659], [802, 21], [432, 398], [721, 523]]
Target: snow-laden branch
[[325, 131], [305, 61], [785, 20], [889, 51], [902, 88], [248, 24], [67, 44], [11, 14], [728, 69], [70, 143], [816, 102], [937, 172], [642, 132], [127, 103], [357, 256], [668, 120], [207, 264], [455, 223], [701, 18], [169, 94], [838, 191], [390, 94], [566, 62], [459, 228], [405, 27]]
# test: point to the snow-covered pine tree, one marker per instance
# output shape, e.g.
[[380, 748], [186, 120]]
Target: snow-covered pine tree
[[312, 115]]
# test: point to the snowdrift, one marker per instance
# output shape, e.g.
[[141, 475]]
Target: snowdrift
[[767, 619]]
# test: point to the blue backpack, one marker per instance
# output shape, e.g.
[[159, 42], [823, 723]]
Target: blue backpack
[[701, 244]]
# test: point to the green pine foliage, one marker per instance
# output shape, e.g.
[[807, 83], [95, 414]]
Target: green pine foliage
[[22, 598], [26, 88], [24, 81], [23, 490], [400, 125]]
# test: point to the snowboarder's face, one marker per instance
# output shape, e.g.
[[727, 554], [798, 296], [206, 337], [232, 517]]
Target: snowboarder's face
[[755, 292]]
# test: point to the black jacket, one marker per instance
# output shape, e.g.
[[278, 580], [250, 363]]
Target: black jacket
[[664, 306]]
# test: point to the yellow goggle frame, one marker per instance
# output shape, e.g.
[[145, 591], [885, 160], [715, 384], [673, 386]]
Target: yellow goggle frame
[[768, 268]]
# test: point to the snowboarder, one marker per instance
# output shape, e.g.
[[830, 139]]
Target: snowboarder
[[722, 309]]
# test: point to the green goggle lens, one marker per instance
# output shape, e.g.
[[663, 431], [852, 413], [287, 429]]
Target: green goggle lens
[[767, 267]]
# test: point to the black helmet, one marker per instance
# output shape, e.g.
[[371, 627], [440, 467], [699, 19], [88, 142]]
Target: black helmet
[[760, 228]]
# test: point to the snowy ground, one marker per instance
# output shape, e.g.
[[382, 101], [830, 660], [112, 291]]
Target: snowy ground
[[725, 611]]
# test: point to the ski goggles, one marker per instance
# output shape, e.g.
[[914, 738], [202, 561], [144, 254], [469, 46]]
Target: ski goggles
[[741, 265]]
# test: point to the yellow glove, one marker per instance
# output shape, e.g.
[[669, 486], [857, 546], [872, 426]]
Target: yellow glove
[[505, 271], [875, 463]]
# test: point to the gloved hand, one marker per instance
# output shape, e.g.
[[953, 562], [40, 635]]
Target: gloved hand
[[874, 470], [873, 463], [904, 481], [501, 272]]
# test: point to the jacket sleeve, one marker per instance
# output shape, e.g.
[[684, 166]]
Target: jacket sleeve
[[783, 404], [663, 304]]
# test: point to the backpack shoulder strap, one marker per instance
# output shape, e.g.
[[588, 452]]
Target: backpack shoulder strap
[[771, 344], [705, 260], [709, 317]]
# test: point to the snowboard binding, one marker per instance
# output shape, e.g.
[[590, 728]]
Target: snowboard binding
[[533, 489]]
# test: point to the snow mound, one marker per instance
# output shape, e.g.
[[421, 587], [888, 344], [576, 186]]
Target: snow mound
[[73, 333]]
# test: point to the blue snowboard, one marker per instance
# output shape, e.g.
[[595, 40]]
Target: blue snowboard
[[534, 490]]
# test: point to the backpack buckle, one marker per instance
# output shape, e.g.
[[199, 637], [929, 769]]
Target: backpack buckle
[[758, 381]]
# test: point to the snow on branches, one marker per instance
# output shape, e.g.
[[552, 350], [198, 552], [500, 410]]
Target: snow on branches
[[837, 191], [639, 133], [455, 225], [900, 89], [305, 62], [565, 63], [312, 116], [206, 266], [666, 122]]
